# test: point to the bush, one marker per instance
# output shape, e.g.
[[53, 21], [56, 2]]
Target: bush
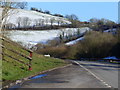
[[116, 49], [101, 24], [96, 45], [57, 52], [71, 52], [53, 42]]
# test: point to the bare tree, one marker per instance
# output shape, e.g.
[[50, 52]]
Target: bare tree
[[9, 26], [26, 22], [39, 22], [74, 19], [36, 22], [23, 22], [46, 21], [52, 21], [101, 24], [47, 12], [19, 21], [61, 22], [93, 20], [42, 22], [8, 7], [23, 5], [71, 17], [58, 22]]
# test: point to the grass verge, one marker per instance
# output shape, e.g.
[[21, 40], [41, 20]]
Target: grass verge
[[13, 70]]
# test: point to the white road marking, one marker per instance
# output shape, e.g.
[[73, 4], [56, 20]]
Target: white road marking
[[94, 75], [110, 86], [104, 82]]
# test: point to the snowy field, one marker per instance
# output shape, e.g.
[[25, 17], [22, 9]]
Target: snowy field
[[31, 38], [33, 16]]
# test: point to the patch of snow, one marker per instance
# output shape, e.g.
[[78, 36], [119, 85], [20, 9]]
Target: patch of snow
[[113, 31], [82, 31], [74, 41]]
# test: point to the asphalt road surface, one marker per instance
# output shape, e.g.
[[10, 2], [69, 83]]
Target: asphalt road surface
[[106, 72], [75, 76]]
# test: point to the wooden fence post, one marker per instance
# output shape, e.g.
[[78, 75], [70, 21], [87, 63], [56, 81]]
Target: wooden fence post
[[30, 64]]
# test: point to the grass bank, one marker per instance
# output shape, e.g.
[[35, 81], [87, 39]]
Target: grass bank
[[14, 70]]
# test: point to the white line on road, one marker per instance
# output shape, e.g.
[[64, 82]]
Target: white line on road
[[94, 75], [109, 86], [104, 82]]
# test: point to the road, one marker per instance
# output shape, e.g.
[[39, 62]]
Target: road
[[75, 76], [105, 72]]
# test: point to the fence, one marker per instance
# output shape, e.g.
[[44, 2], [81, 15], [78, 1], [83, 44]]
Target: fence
[[29, 58]]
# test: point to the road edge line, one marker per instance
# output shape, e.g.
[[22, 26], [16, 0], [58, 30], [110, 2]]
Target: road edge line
[[109, 86]]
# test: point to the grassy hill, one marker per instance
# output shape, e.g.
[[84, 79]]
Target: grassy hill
[[14, 70]]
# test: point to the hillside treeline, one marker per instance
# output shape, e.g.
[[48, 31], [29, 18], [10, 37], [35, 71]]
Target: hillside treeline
[[94, 45]]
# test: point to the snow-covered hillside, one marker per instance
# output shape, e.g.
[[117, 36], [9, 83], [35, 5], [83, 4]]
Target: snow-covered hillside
[[31, 38], [34, 17]]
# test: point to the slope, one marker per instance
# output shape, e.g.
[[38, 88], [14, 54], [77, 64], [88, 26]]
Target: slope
[[33, 18], [13, 70]]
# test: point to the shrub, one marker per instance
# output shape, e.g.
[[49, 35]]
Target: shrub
[[96, 45], [116, 49], [71, 52], [53, 42], [57, 52]]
